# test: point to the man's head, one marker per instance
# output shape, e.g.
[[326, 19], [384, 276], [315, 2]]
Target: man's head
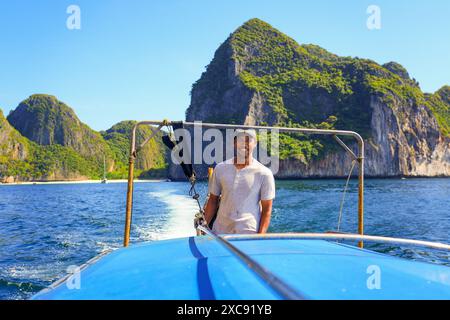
[[244, 144]]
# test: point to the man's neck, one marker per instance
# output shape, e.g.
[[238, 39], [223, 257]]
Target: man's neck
[[248, 161]]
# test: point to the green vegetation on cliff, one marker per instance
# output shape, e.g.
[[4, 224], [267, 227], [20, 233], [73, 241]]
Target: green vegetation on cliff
[[49, 142], [150, 161], [28, 160], [303, 85], [439, 103], [14, 148], [47, 121]]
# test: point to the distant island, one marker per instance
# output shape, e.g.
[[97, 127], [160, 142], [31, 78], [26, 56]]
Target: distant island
[[258, 76], [43, 140]]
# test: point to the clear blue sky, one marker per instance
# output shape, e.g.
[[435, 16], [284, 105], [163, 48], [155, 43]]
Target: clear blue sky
[[138, 59]]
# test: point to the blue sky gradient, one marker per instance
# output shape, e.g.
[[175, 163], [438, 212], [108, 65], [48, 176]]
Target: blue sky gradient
[[137, 59]]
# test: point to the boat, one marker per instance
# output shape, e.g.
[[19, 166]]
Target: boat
[[104, 180], [273, 266]]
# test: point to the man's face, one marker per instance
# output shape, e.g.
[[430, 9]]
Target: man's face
[[243, 146]]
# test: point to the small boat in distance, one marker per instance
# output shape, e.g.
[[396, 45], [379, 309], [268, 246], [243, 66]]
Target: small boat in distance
[[104, 180]]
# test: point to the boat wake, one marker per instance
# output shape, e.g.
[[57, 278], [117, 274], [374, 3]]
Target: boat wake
[[177, 220]]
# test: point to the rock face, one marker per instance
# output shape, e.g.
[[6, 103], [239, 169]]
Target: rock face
[[9, 179], [259, 76], [45, 140], [13, 149], [47, 121], [412, 147], [12, 145]]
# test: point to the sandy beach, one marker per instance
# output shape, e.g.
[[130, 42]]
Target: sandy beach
[[77, 182]]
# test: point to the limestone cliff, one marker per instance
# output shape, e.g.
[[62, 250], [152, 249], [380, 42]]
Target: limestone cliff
[[46, 120], [13, 148], [43, 139], [261, 76]]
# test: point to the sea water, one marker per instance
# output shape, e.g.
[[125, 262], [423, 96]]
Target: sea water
[[45, 229]]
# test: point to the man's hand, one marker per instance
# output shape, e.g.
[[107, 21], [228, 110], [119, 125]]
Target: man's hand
[[211, 207], [266, 212]]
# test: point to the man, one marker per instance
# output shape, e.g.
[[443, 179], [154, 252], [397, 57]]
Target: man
[[246, 188]]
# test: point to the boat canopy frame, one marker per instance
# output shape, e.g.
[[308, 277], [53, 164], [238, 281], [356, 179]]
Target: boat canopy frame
[[359, 157]]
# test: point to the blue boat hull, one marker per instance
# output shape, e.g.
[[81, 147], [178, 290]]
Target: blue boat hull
[[201, 268]]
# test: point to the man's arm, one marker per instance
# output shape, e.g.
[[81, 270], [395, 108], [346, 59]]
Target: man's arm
[[211, 207], [266, 212]]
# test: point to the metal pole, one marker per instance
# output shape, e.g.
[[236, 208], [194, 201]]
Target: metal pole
[[361, 192], [126, 238]]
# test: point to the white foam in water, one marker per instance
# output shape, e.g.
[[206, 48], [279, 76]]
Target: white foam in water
[[29, 272], [180, 222]]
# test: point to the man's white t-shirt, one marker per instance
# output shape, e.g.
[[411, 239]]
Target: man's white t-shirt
[[241, 191]]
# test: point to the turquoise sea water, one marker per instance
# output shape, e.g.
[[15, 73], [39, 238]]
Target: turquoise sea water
[[44, 229]]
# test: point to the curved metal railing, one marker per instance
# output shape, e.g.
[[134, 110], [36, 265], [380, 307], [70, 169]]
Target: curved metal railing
[[335, 133], [278, 285], [340, 236], [282, 288]]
